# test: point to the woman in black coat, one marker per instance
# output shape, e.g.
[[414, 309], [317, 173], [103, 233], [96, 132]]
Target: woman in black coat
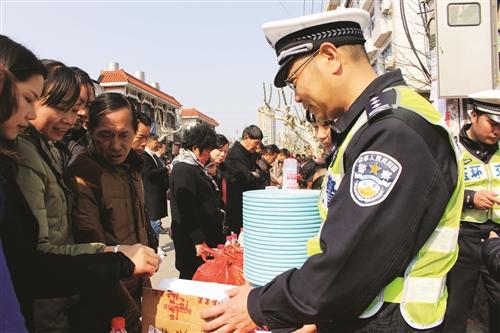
[[36, 274], [195, 203]]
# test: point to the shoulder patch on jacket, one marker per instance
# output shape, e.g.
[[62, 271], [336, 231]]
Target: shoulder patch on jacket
[[385, 101], [373, 177]]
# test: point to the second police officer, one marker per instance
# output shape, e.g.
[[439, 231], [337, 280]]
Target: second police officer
[[480, 215]]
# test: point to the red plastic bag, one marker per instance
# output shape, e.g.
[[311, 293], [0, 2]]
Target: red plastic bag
[[226, 267]]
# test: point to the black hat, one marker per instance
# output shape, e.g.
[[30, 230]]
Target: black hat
[[292, 38]]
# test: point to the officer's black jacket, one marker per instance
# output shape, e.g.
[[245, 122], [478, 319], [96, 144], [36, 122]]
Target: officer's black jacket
[[365, 248]]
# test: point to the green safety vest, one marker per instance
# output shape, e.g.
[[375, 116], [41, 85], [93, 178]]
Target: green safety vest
[[421, 292], [481, 176]]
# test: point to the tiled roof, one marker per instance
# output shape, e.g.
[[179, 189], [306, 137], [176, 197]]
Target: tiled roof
[[122, 76], [193, 113]]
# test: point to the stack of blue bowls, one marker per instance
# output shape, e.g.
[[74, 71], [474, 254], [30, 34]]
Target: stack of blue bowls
[[277, 225]]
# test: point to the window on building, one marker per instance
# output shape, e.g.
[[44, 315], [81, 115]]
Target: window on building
[[159, 114], [171, 120], [387, 60], [387, 52], [371, 26], [464, 14], [147, 110], [134, 103]]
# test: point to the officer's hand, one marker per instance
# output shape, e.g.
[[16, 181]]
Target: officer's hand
[[230, 316], [493, 234], [307, 329], [485, 199]]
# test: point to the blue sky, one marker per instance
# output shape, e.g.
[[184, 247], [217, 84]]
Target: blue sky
[[211, 55]]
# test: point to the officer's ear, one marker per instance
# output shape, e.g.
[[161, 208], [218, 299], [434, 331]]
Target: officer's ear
[[474, 116], [333, 56]]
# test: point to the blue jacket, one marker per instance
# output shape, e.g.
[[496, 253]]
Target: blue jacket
[[12, 320]]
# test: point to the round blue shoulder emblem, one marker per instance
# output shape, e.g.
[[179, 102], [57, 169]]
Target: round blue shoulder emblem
[[373, 176]]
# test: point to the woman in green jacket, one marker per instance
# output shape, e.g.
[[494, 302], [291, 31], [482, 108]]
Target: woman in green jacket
[[40, 177]]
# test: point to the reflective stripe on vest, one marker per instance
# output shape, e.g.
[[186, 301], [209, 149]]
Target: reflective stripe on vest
[[422, 291], [481, 176]]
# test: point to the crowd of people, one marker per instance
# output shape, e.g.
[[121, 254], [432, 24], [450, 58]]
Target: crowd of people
[[85, 184], [84, 188], [47, 266]]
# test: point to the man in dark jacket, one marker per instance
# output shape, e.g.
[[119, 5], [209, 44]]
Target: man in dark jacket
[[242, 174], [110, 199], [155, 179]]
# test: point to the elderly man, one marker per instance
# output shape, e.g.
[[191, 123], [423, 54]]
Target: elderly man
[[385, 247], [110, 195]]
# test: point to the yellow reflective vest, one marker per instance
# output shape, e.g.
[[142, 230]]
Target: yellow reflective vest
[[421, 292], [481, 176]]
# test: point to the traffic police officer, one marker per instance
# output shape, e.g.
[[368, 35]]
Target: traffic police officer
[[390, 232], [481, 212]]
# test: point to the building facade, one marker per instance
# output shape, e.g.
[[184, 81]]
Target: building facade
[[267, 124], [192, 117]]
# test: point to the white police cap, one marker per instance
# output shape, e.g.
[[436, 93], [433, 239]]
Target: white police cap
[[292, 38], [487, 101]]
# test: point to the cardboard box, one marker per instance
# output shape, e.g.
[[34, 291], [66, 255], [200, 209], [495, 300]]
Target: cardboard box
[[176, 306]]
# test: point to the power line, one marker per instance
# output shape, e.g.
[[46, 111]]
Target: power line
[[286, 10], [410, 41]]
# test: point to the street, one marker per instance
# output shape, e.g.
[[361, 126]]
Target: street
[[167, 266]]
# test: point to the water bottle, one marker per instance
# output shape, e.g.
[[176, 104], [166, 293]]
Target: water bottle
[[290, 174], [118, 325]]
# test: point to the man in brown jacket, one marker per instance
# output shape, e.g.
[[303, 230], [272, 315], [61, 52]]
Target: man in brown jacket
[[110, 195]]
